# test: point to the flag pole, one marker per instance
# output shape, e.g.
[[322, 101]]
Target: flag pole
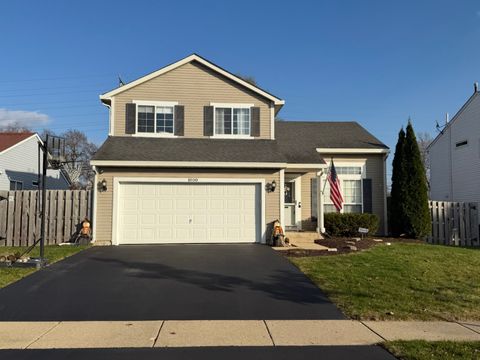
[[326, 178]]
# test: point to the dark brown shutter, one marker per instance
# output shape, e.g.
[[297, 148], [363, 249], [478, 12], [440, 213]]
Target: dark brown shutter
[[208, 120], [130, 114], [255, 121], [367, 196], [179, 120], [313, 192]]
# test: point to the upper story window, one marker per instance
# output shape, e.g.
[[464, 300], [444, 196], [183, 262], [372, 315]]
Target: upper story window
[[232, 120], [155, 119]]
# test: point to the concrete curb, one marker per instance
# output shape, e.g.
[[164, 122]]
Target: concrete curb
[[194, 333]]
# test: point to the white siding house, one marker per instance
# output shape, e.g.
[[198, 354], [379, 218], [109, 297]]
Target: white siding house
[[19, 165], [455, 156]]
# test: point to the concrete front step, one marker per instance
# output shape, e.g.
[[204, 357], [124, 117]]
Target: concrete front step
[[305, 240], [304, 234], [188, 333]]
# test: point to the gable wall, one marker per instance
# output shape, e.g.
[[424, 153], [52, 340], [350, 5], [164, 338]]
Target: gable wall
[[20, 163], [459, 167], [194, 86]]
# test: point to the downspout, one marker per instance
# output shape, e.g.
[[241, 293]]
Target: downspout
[[94, 202], [320, 219], [282, 197], [109, 107], [385, 212]]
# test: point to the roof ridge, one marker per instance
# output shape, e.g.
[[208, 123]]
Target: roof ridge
[[318, 121]]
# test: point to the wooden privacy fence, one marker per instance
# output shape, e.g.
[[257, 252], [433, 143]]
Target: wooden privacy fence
[[20, 215], [454, 223]]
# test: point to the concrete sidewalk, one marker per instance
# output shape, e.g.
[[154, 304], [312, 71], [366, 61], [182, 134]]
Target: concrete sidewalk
[[198, 333]]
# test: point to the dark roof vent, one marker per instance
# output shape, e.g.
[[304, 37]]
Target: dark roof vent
[[475, 87]]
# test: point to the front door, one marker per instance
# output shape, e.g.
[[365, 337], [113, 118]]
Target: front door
[[290, 204]]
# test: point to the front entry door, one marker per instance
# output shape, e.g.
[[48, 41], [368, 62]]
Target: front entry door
[[290, 204]]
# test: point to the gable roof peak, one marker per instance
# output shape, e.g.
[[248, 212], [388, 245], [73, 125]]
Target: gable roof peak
[[192, 57]]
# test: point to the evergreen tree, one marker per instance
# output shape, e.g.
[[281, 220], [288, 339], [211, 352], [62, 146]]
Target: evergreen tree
[[398, 192], [417, 214]]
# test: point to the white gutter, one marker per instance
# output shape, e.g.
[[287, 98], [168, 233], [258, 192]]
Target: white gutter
[[352, 151]]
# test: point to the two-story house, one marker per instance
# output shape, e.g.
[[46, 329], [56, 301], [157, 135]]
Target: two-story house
[[194, 155], [455, 155]]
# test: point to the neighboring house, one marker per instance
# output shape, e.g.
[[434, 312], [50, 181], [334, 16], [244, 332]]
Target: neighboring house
[[455, 156], [20, 162], [194, 154]]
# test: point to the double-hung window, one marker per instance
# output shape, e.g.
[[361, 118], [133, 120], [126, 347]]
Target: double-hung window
[[351, 187], [155, 119], [233, 121]]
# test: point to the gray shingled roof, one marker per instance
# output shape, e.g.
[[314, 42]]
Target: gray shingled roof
[[299, 139], [296, 142], [132, 148]]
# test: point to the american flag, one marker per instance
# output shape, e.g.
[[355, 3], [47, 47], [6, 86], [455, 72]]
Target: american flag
[[335, 189]]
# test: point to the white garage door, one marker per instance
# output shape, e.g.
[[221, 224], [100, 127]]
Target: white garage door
[[153, 213]]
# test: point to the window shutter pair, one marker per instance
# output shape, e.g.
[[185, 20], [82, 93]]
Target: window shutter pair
[[208, 117], [131, 112]]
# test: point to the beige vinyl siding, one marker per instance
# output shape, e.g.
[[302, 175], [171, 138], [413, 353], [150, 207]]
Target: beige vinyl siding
[[374, 170], [105, 199], [193, 86]]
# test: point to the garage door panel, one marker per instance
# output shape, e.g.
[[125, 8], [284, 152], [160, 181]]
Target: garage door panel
[[182, 204], [165, 219], [200, 204], [188, 213]]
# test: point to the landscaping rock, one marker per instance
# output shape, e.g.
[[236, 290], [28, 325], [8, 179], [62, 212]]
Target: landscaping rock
[[378, 240], [350, 242], [351, 247], [332, 249], [357, 239]]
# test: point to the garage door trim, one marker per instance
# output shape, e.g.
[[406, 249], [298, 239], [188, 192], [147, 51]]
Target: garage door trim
[[117, 181]]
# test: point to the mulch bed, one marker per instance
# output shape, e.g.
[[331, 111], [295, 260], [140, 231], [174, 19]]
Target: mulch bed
[[343, 246]]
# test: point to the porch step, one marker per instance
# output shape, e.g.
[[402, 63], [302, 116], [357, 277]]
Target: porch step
[[304, 235], [305, 239]]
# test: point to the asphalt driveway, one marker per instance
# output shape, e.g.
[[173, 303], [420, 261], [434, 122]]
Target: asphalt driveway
[[168, 282]]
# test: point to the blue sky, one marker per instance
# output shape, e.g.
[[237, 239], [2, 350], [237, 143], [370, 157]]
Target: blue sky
[[376, 62]]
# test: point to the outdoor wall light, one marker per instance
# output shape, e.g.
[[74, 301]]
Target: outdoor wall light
[[102, 185], [271, 186]]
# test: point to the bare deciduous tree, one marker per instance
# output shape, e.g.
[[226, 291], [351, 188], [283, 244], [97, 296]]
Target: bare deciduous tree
[[248, 78], [16, 127], [424, 139], [78, 152]]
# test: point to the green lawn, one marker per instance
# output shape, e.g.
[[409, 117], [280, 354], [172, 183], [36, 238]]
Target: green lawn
[[401, 281], [52, 253], [423, 350]]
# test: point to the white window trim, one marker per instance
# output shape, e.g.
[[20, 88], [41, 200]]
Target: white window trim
[[353, 163], [231, 106], [154, 104]]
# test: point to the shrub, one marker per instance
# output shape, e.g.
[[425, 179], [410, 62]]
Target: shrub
[[337, 224]]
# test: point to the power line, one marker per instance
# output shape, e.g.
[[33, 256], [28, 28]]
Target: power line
[[49, 102], [99, 106], [59, 78], [42, 94], [50, 88]]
